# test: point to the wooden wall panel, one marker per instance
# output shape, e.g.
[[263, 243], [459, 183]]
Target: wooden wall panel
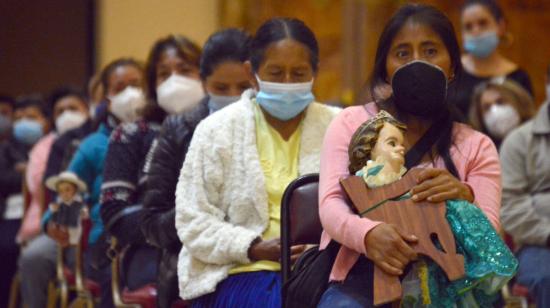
[[45, 44], [348, 32], [323, 16]]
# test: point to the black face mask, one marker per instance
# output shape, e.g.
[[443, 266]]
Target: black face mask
[[420, 89]]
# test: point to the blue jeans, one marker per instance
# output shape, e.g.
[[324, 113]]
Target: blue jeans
[[534, 273], [354, 292], [37, 264], [140, 266]]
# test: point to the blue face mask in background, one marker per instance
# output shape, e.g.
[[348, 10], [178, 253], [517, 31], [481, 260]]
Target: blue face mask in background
[[217, 102], [284, 101], [483, 45], [27, 131]]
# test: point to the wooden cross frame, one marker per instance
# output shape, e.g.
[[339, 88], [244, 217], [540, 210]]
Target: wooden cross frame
[[426, 220]]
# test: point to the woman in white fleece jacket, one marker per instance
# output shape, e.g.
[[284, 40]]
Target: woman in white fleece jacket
[[239, 163]]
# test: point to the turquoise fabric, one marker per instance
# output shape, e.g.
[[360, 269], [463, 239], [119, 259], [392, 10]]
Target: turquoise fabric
[[371, 172], [87, 163], [489, 263]]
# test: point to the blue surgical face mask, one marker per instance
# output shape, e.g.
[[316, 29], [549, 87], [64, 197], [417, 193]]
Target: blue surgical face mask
[[5, 124], [483, 45], [27, 131], [217, 102], [284, 101]]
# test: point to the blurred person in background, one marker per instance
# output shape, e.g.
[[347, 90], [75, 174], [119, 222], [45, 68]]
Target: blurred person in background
[[73, 127], [173, 87], [525, 209], [483, 30], [497, 108], [123, 80], [13, 160], [68, 110]]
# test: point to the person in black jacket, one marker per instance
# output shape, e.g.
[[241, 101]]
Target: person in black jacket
[[70, 134], [224, 79], [173, 83]]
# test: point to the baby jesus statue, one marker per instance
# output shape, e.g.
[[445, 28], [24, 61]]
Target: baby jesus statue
[[68, 209], [377, 157]]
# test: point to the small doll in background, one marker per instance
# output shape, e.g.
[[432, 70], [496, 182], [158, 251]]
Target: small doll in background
[[377, 154], [69, 208]]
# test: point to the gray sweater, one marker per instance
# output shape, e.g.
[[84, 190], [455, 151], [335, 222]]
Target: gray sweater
[[525, 159]]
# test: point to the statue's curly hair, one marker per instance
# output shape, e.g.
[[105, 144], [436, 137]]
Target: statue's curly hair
[[365, 137]]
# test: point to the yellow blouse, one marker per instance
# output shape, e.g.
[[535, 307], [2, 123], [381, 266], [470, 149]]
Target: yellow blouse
[[279, 161]]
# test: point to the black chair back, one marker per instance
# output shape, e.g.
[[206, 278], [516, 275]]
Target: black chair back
[[300, 223]]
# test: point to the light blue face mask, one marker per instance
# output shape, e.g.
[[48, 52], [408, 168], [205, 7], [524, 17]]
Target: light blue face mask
[[483, 45], [284, 101], [27, 131], [217, 102]]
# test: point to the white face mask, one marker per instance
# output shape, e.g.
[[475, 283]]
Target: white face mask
[[500, 120], [178, 94], [69, 120], [127, 104]]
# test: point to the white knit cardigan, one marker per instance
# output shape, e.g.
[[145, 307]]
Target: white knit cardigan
[[221, 200]]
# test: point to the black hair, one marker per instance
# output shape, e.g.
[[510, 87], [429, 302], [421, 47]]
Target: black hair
[[34, 100], [491, 5], [66, 91], [112, 66], [278, 29], [186, 49], [8, 100], [440, 24], [223, 46], [417, 13]]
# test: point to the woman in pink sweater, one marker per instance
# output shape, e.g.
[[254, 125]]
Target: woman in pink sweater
[[418, 41]]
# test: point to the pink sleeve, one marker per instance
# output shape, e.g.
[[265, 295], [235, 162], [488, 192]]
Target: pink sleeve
[[38, 158], [337, 219], [36, 167], [31, 176], [483, 175]]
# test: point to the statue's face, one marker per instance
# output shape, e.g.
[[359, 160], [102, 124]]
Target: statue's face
[[66, 191], [389, 147]]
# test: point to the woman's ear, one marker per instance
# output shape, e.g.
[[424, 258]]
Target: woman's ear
[[251, 75]]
